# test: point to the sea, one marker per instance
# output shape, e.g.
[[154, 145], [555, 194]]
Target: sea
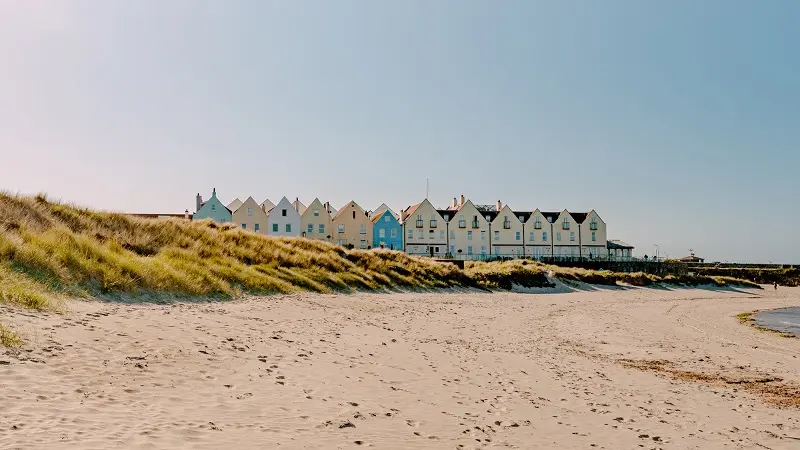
[[786, 320]]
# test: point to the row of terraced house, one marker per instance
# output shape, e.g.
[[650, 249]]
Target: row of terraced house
[[462, 230]]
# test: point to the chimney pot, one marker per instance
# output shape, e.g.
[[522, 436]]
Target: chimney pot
[[462, 200], [499, 206]]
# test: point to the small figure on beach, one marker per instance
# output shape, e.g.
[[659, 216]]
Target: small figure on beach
[[775, 285]]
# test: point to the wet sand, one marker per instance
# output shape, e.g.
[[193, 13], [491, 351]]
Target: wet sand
[[614, 369]]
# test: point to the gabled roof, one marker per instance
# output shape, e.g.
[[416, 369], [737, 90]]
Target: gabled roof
[[267, 205], [235, 204], [378, 217], [412, 209]]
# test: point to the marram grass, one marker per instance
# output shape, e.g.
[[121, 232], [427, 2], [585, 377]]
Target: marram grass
[[50, 250]]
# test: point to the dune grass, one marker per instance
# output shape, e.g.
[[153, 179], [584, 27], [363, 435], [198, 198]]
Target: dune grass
[[50, 250], [8, 337]]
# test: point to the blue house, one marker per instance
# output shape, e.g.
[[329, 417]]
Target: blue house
[[212, 209], [387, 231]]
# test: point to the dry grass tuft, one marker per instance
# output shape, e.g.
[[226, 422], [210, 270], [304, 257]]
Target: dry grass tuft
[[504, 275], [773, 390], [9, 338]]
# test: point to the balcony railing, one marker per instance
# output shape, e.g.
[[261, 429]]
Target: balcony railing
[[420, 223], [476, 224], [537, 225], [507, 224], [593, 226], [565, 226], [462, 224]]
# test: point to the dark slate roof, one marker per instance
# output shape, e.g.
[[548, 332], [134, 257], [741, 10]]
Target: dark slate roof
[[449, 212], [524, 214], [579, 217], [551, 216], [490, 214], [485, 208]]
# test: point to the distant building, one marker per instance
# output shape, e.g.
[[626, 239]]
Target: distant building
[[352, 227], [234, 205], [315, 222], [619, 251], [212, 209], [424, 230], [250, 216], [283, 219], [692, 258]]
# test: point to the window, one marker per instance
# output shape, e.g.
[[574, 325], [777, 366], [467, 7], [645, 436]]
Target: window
[[433, 222], [558, 236], [475, 223], [537, 224], [354, 214], [283, 212], [288, 228], [257, 228], [544, 236], [274, 227], [431, 234], [488, 219], [420, 222], [363, 229], [452, 235], [593, 224], [394, 232], [447, 217], [452, 249], [363, 243], [483, 235], [519, 235], [506, 223], [381, 233], [531, 237], [316, 213], [550, 219], [311, 228], [386, 218], [213, 207], [521, 219], [340, 228], [594, 236], [249, 211], [469, 235], [572, 236], [410, 233], [341, 242], [461, 222], [244, 226], [419, 235], [483, 250], [469, 250], [321, 228], [441, 234], [496, 235], [565, 225]]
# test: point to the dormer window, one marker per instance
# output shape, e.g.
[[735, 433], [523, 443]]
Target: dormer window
[[488, 219], [550, 219], [521, 219], [447, 217]]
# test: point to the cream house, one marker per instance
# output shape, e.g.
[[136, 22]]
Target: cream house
[[283, 220], [250, 216], [299, 206], [469, 231], [267, 205], [539, 234], [592, 234], [315, 222], [507, 232], [424, 229], [352, 227]]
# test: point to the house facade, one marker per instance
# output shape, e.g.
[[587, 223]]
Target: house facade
[[593, 238], [212, 209], [469, 232], [283, 220], [424, 230], [299, 206], [387, 231], [507, 233], [352, 227], [315, 222], [539, 235], [250, 217]]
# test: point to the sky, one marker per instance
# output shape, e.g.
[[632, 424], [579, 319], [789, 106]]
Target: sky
[[678, 122]]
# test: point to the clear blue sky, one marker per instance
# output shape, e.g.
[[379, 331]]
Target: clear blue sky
[[678, 121]]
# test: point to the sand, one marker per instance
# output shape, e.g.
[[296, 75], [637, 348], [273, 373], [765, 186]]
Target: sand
[[614, 369]]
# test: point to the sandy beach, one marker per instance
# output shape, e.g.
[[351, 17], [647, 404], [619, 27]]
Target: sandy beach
[[615, 369]]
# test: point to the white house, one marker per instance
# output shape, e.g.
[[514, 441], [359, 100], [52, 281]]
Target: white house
[[283, 219]]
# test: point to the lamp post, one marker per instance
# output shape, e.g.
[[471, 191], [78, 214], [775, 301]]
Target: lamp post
[[657, 249]]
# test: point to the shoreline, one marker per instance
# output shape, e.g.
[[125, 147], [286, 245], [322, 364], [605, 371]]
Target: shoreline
[[749, 319]]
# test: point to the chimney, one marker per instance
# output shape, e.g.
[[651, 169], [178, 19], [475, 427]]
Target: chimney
[[455, 203], [499, 206], [327, 207], [402, 215], [198, 202], [462, 200], [297, 204], [186, 214]]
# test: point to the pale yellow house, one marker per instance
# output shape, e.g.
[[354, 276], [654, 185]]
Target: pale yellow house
[[425, 230], [592, 236], [507, 233], [469, 232], [539, 234], [250, 216], [352, 227], [565, 234], [315, 222]]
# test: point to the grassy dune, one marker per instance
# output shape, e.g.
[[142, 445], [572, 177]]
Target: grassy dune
[[50, 251]]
